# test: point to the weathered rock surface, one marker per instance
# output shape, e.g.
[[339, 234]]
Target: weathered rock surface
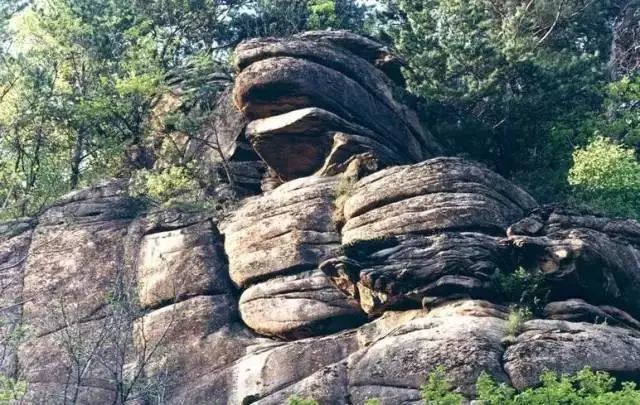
[[438, 194], [76, 253], [301, 91], [74, 364], [583, 256], [317, 139], [181, 263], [274, 243], [419, 233], [283, 231], [464, 337], [15, 238], [375, 53], [567, 347], [298, 305]]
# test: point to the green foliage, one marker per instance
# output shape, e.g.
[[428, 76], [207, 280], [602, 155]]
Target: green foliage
[[525, 289], [296, 400], [82, 84], [515, 322], [438, 391], [583, 388], [322, 14], [163, 185], [12, 390], [372, 401], [606, 176], [509, 83], [286, 17]]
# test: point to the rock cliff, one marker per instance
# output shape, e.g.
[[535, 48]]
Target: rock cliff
[[369, 258]]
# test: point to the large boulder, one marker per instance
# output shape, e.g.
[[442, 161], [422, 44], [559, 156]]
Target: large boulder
[[427, 231], [298, 305], [464, 337], [302, 91]]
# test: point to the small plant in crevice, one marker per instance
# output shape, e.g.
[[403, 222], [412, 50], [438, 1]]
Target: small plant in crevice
[[342, 191], [515, 322], [345, 188], [372, 401], [525, 289]]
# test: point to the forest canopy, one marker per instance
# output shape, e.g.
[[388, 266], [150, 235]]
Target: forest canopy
[[545, 92]]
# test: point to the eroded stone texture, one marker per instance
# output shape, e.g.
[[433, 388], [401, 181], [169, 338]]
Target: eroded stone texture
[[15, 238], [273, 243], [72, 365], [567, 347], [76, 253], [425, 232], [282, 231], [303, 91], [463, 337], [577, 310], [316, 140], [181, 263], [379, 55], [192, 339], [438, 194], [298, 305], [268, 369], [583, 256]]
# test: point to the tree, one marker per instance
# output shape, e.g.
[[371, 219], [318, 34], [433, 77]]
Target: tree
[[510, 83], [606, 176], [83, 82]]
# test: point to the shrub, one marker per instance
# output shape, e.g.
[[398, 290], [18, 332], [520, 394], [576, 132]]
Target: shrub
[[12, 390], [606, 177], [515, 322], [527, 289], [438, 391], [583, 388]]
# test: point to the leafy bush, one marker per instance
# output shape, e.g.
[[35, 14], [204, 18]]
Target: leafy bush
[[527, 289], [515, 322], [583, 388], [437, 390], [322, 14], [163, 185], [606, 176], [11, 390]]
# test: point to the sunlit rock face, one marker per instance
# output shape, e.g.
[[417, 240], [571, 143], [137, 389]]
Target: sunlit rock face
[[275, 243], [358, 259], [421, 232]]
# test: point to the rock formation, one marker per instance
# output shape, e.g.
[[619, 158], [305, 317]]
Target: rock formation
[[368, 260]]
